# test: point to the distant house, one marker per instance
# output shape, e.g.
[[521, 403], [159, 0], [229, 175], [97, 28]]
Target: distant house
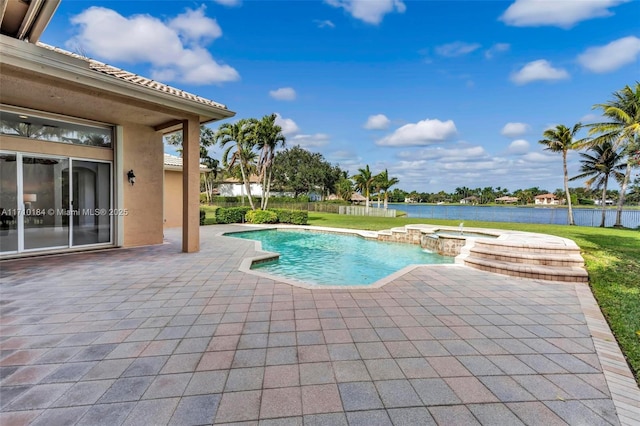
[[232, 187], [607, 202], [470, 200], [546, 199], [506, 200], [409, 200], [173, 190]]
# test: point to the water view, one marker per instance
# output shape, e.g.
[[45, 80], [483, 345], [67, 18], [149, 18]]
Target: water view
[[545, 215], [335, 259]]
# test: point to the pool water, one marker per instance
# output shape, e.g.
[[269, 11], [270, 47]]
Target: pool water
[[335, 259]]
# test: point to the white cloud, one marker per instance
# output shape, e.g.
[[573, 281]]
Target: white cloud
[[540, 70], [289, 127], [424, 132], [229, 3], [590, 118], [563, 14], [171, 48], [611, 56], [324, 23], [514, 130], [377, 122], [369, 11], [457, 48], [518, 147], [459, 153], [310, 141], [194, 27], [496, 49], [283, 94]]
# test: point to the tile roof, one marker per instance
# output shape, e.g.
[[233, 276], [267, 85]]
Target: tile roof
[[173, 161], [134, 78]]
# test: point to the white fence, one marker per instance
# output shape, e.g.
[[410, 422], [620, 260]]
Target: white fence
[[363, 211]]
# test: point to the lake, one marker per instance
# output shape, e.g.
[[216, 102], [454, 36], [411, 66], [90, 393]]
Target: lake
[[545, 215]]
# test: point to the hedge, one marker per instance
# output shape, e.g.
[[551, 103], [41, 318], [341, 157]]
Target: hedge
[[262, 216], [295, 217], [241, 214], [231, 214], [202, 216]]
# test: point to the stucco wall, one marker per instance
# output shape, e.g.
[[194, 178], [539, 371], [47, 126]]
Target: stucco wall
[[143, 153], [172, 198]]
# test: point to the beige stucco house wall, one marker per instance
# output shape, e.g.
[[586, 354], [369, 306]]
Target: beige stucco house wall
[[45, 81], [173, 190]]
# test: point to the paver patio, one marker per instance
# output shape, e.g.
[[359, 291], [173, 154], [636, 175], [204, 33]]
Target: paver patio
[[154, 336]]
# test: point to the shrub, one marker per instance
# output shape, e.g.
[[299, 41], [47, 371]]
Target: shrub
[[585, 202], [231, 214], [262, 216], [299, 217], [295, 217], [203, 198], [284, 215], [202, 216]]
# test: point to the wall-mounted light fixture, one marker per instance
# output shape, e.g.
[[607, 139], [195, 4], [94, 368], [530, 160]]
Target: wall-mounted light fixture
[[131, 177]]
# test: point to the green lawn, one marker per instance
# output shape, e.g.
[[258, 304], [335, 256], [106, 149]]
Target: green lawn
[[612, 257]]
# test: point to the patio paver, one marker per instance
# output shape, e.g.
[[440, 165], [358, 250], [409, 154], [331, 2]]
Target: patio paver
[[151, 335]]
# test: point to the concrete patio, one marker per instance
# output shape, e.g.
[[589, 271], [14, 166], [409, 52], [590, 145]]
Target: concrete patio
[[151, 336]]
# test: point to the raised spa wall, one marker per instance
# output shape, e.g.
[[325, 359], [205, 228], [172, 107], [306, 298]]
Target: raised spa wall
[[447, 245]]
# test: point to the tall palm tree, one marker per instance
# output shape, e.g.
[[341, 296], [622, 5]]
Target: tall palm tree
[[268, 137], [364, 182], [384, 182], [605, 162], [238, 137], [623, 131], [561, 139]]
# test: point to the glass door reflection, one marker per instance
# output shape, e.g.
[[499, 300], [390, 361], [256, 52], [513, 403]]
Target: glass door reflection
[[45, 199], [8, 203]]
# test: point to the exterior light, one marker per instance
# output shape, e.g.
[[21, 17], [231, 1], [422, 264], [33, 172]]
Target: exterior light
[[131, 177]]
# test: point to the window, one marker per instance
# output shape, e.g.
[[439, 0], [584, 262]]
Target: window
[[31, 126]]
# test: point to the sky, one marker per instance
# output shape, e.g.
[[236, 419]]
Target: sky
[[442, 94]]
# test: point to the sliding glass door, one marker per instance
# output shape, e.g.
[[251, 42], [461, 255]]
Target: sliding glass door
[[51, 203]]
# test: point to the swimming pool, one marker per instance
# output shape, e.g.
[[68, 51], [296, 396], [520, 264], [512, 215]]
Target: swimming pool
[[335, 259]]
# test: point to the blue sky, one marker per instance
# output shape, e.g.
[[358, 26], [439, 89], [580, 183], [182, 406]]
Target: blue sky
[[441, 93]]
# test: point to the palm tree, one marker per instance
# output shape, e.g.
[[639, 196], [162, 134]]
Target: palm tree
[[384, 182], [623, 131], [344, 188], [240, 149], [268, 137], [364, 181], [605, 162], [561, 139]]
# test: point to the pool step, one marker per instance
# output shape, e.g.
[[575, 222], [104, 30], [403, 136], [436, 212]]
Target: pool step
[[529, 258], [558, 260], [540, 272]]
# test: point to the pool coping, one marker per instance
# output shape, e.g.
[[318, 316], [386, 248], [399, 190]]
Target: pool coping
[[247, 263]]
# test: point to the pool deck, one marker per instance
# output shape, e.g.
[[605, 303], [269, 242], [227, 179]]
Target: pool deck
[[150, 335]]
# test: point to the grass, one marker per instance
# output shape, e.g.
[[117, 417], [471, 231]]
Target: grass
[[612, 258]]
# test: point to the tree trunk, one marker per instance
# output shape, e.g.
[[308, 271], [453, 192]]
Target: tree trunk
[[247, 186], [266, 200], [604, 203], [566, 187], [386, 200], [623, 191]]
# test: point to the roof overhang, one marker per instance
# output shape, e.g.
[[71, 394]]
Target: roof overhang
[[26, 60], [26, 19]]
